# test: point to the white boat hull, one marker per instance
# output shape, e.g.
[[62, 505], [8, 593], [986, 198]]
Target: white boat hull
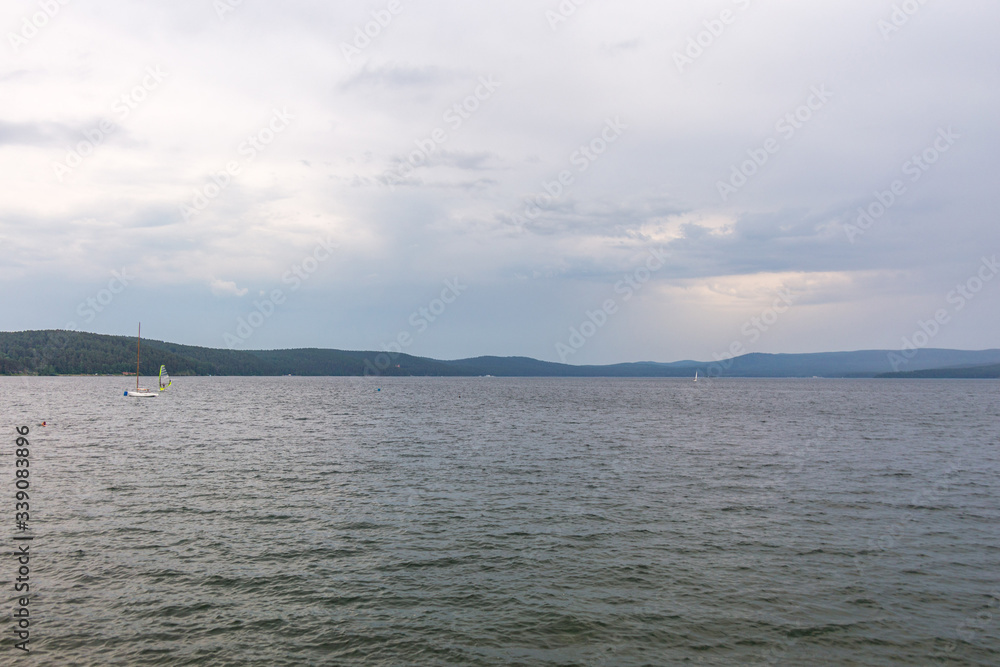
[[140, 394]]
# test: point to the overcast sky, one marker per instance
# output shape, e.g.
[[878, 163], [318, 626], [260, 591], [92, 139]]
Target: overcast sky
[[219, 155]]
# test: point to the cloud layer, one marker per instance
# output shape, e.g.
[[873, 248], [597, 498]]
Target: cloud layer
[[842, 151]]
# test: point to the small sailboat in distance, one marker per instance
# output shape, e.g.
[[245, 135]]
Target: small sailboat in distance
[[165, 380], [696, 376], [140, 392]]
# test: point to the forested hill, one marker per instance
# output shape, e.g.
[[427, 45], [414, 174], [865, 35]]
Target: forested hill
[[991, 372], [73, 352], [78, 353]]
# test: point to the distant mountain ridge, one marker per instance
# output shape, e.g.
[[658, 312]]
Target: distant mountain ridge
[[990, 372], [78, 353]]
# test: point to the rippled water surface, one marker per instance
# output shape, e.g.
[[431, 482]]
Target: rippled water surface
[[487, 521]]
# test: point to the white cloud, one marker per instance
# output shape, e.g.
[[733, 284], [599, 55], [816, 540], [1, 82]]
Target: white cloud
[[226, 288]]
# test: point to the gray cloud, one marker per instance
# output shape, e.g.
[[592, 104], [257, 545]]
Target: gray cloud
[[399, 76], [538, 133], [35, 134]]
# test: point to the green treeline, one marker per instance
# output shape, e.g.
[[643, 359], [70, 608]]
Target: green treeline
[[79, 353]]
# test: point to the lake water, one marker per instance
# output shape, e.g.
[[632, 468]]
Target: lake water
[[489, 521]]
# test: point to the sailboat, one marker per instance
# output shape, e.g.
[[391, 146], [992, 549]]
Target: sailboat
[[140, 392], [165, 380], [696, 376]]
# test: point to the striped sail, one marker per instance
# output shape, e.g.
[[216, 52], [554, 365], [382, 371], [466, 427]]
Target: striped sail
[[164, 378]]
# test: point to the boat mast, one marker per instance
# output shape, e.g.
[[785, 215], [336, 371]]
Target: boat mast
[[138, 342]]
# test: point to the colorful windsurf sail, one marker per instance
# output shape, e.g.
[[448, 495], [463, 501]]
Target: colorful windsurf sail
[[164, 378]]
